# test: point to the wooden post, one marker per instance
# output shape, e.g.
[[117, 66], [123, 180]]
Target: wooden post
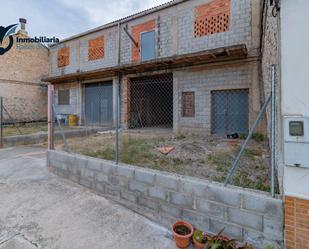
[[50, 117]]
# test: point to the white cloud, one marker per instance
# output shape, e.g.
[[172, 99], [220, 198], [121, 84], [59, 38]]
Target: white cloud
[[64, 18]]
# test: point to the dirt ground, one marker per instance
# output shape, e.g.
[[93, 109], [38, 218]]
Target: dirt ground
[[206, 157]]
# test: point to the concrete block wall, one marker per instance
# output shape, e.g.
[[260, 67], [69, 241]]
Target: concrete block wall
[[202, 81], [246, 215], [174, 28], [75, 97]]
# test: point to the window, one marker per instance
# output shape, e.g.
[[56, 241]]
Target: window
[[188, 104], [148, 48], [63, 57], [64, 97], [96, 48]]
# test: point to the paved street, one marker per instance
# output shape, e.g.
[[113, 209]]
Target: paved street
[[40, 210]]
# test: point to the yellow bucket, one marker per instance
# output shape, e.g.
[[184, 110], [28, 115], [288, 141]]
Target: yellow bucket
[[73, 119]]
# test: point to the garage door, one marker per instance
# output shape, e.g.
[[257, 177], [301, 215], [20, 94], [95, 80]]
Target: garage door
[[99, 103], [229, 111]]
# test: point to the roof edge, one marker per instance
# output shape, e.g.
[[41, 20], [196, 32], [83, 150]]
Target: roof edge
[[124, 19]]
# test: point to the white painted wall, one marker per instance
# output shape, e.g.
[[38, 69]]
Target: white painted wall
[[295, 83]]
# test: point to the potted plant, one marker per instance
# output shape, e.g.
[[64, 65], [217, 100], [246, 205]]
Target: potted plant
[[220, 241], [182, 233], [199, 239]]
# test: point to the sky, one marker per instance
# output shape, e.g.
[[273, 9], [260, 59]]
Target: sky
[[64, 18]]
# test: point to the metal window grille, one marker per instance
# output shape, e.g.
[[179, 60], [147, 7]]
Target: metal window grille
[[188, 104], [64, 97]]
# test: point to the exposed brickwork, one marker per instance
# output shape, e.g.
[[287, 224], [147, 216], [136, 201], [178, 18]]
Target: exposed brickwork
[[96, 48], [125, 101], [211, 18], [296, 223], [136, 34], [21, 71], [63, 57]]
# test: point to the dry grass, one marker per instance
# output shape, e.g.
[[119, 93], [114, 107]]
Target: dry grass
[[204, 157]]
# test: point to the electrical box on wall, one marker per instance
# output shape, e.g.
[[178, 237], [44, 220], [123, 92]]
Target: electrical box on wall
[[296, 141]]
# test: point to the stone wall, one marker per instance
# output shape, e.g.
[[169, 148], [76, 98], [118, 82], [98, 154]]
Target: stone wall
[[246, 215]]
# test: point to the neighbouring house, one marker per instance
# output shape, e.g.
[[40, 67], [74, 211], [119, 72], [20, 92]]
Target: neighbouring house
[[188, 65], [21, 70]]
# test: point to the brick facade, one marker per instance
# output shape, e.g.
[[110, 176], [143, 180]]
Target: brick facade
[[96, 48], [296, 223], [211, 18], [136, 34], [21, 70], [63, 57]]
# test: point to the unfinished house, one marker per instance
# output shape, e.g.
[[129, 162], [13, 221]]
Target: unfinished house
[[189, 65]]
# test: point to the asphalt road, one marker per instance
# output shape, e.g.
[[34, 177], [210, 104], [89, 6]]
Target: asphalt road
[[41, 210]]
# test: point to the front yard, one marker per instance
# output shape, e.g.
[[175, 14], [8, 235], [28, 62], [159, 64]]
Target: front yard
[[206, 157]]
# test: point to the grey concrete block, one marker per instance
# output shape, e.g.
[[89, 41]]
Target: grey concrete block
[[246, 219], [273, 228], [85, 182], [159, 193], [99, 187], [193, 187], [167, 181], [210, 208], [180, 199], [125, 171], [170, 210], [137, 186], [81, 162], [263, 204], [223, 195], [100, 177], [145, 176], [88, 174], [199, 220], [107, 167], [128, 196], [148, 202], [74, 178], [112, 191], [94, 164], [233, 231], [259, 241]]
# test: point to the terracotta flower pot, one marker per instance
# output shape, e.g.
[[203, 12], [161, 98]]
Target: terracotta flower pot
[[182, 239], [198, 245]]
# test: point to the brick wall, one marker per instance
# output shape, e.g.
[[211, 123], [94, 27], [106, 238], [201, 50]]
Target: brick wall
[[21, 71], [163, 197], [212, 18], [296, 223], [96, 48], [136, 34]]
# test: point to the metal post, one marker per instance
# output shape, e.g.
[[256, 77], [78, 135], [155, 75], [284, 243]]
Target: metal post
[[235, 163], [273, 128], [50, 117], [117, 120], [1, 122]]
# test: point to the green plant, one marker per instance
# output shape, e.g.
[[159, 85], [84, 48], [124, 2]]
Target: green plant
[[220, 242], [200, 236], [269, 247], [258, 137]]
